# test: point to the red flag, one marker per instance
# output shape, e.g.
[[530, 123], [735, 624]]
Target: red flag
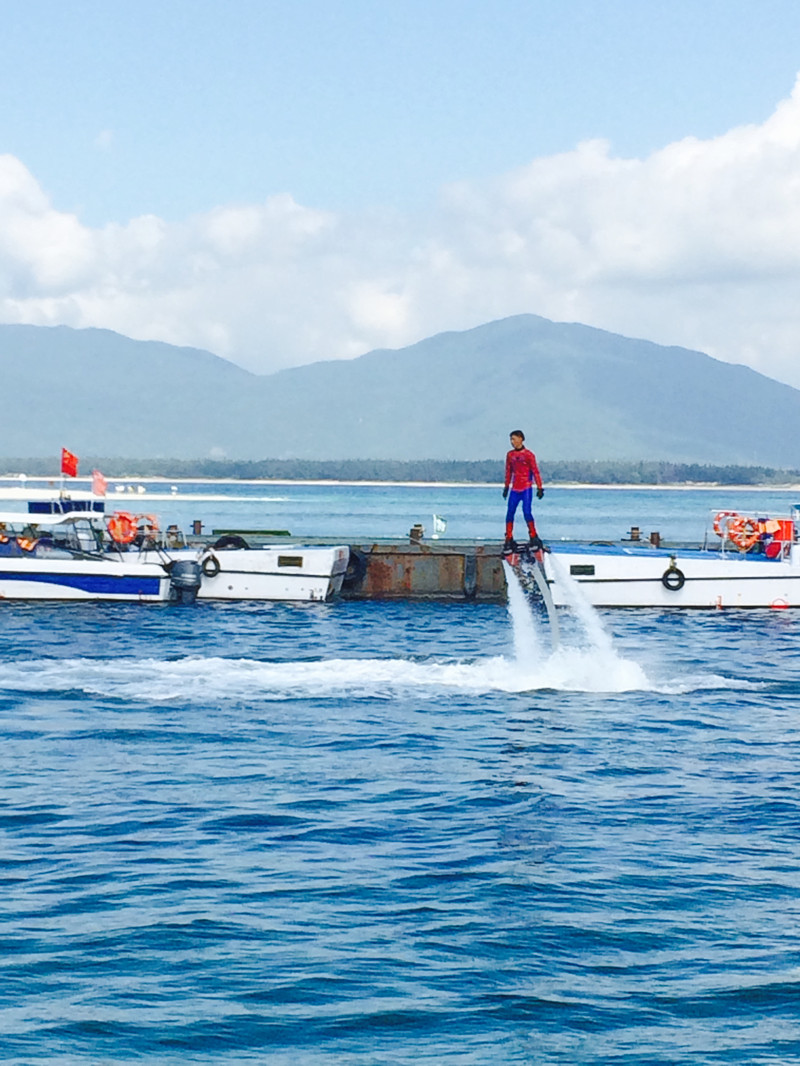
[[69, 463], [99, 483]]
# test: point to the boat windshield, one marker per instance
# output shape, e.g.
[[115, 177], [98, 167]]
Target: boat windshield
[[29, 534]]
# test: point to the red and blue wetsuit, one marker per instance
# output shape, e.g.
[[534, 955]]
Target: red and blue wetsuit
[[521, 471]]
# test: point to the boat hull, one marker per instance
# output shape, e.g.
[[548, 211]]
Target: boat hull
[[631, 577], [69, 579], [288, 573], [277, 574]]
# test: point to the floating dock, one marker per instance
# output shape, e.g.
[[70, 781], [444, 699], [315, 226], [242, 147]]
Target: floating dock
[[411, 568], [405, 568]]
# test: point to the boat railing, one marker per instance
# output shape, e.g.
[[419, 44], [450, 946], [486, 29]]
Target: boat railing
[[733, 533]]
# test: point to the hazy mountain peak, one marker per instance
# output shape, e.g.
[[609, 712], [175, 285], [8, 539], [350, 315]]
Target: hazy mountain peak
[[578, 392]]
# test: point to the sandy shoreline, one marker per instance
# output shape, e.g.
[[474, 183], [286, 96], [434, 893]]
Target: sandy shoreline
[[83, 485]]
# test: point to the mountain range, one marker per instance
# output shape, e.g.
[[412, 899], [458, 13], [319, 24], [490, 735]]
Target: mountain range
[[578, 393]]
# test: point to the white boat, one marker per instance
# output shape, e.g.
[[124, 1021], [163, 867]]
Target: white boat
[[292, 572], [74, 557], [57, 557], [746, 562]]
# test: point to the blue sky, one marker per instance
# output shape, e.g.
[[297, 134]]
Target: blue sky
[[175, 107], [272, 148]]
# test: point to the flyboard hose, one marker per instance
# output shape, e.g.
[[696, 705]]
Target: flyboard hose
[[540, 578], [528, 566]]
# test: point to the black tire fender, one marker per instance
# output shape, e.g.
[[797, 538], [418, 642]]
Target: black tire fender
[[356, 569], [231, 540], [211, 566], [673, 578]]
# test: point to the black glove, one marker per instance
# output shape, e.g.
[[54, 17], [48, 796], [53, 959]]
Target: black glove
[[539, 494], [505, 492]]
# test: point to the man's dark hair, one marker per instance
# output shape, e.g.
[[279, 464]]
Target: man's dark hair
[[517, 433]]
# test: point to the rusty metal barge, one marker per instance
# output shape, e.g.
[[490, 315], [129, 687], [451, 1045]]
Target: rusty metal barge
[[439, 570]]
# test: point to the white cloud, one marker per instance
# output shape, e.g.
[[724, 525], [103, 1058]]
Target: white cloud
[[42, 251], [698, 244]]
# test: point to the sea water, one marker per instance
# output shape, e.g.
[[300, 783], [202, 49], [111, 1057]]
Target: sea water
[[378, 833], [357, 511]]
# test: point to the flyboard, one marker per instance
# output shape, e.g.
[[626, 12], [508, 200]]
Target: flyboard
[[528, 564]]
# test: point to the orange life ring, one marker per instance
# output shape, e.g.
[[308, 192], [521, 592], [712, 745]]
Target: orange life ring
[[122, 527], [27, 543], [723, 521], [744, 532], [146, 524]]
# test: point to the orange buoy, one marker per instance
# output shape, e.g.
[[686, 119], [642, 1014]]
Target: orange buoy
[[146, 524], [721, 522], [744, 532], [122, 527]]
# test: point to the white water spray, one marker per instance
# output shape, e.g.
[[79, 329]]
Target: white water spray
[[527, 645], [585, 613], [588, 662], [153, 682]]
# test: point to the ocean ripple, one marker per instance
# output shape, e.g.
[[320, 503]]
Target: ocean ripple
[[374, 834]]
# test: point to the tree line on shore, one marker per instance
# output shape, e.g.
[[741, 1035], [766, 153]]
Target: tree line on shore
[[485, 471]]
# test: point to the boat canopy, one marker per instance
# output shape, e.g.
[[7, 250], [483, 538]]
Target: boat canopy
[[22, 518]]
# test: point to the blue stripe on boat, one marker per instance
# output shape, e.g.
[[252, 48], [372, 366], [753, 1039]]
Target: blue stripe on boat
[[101, 584]]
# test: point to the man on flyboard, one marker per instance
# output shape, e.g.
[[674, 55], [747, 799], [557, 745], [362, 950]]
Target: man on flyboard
[[521, 471]]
